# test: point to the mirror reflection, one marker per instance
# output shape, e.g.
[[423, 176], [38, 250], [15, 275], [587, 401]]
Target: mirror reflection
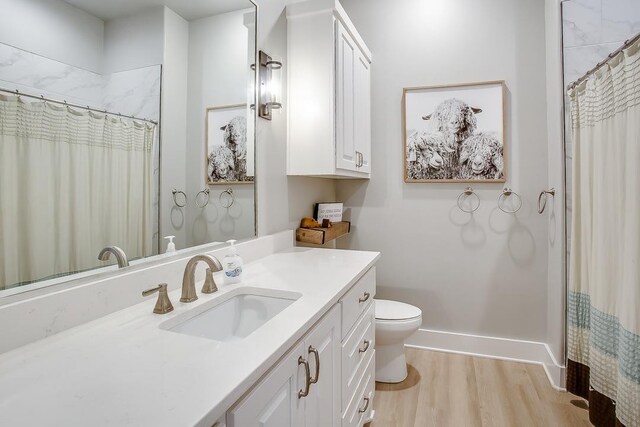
[[122, 123]]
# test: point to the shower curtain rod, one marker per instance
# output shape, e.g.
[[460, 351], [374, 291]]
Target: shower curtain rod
[[626, 44], [85, 107]]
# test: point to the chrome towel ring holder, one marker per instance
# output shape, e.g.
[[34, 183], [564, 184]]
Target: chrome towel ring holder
[[542, 199], [179, 195], [507, 192], [228, 200], [201, 202], [468, 192]]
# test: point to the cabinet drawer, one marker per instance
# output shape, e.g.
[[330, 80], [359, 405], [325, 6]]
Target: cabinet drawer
[[357, 300], [356, 350], [360, 409]]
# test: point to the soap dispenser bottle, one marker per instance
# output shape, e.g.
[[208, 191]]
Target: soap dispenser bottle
[[171, 247], [232, 264]]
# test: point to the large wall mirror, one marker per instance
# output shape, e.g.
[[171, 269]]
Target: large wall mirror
[[122, 122]]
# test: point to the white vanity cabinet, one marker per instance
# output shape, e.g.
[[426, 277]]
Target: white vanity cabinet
[[274, 402], [303, 389], [338, 391], [329, 93]]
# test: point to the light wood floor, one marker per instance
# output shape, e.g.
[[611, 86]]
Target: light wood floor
[[446, 389]]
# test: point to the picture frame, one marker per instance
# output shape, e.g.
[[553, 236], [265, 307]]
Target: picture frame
[[455, 133], [227, 145]]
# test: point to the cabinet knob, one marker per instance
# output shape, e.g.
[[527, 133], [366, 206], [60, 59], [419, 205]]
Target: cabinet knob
[[366, 405], [365, 297], [367, 343]]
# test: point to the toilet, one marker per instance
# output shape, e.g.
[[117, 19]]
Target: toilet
[[395, 322]]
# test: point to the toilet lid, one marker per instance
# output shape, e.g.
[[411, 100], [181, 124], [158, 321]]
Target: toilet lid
[[395, 310]]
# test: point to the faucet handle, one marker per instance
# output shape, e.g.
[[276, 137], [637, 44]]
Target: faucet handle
[[209, 286], [163, 305]]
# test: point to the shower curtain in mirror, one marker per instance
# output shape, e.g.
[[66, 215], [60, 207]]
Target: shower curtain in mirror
[[604, 285], [71, 182]]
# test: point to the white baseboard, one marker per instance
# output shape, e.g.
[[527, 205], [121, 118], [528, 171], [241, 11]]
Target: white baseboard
[[496, 348]]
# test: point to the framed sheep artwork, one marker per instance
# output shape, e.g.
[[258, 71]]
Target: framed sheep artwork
[[228, 151], [454, 133]]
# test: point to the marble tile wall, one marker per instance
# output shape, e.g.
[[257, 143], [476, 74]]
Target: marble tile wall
[[133, 92], [38, 75], [592, 29]]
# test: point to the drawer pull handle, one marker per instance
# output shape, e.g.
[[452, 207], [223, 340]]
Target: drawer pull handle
[[366, 406], [305, 392], [314, 351], [365, 297], [367, 343]]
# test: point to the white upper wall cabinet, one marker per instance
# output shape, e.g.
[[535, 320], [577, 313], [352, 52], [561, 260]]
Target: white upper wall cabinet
[[329, 93]]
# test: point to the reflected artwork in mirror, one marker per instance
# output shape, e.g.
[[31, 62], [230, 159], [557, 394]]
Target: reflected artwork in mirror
[[104, 111]]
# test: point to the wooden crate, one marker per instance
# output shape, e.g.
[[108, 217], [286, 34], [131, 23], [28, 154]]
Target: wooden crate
[[320, 236]]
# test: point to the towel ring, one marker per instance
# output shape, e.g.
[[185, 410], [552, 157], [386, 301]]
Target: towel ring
[[542, 198], [230, 200], [507, 192], [176, 194], [205, 192], [468, 192]]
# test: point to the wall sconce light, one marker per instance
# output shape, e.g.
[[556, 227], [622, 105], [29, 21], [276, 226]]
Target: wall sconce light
[[269, 79]]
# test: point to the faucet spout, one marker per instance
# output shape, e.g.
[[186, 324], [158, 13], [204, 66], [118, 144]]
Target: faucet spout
[[189, 277], [121, 257]]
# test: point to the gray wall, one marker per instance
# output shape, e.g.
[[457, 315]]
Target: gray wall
[[483, 274], [55, 30], [134, 41]]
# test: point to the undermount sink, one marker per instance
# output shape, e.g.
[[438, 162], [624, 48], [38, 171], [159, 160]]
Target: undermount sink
[[232, 316]]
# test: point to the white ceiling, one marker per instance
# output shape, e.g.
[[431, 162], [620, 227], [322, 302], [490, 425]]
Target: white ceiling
[[188, 9]]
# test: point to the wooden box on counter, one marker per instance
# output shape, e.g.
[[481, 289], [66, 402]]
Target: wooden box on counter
[[320, 236]]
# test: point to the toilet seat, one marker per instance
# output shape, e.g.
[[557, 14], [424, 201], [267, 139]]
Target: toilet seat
[[387, 310]]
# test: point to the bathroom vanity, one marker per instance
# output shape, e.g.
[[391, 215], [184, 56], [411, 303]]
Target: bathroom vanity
[[293, 345]]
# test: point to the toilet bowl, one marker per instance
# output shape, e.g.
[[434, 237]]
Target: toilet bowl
[[395, 322]]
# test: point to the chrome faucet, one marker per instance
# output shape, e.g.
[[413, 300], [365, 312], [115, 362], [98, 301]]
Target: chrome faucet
[[189, 277], [121, 257]]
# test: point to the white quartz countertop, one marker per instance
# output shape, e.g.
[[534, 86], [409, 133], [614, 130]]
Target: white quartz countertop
[[123, 370]]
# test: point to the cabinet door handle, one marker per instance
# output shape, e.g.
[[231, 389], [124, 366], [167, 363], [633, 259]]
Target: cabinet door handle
[[366, 405], [305, 392], [367, 343], [314, 351], [364, 297], [361, 159]]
